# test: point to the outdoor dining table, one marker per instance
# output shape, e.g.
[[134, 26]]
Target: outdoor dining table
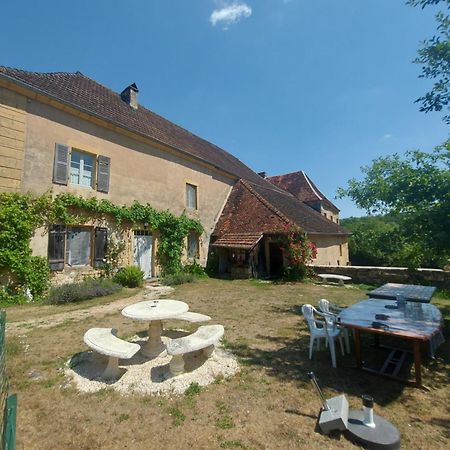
[[154, 312], [410, 292], [416, 323]]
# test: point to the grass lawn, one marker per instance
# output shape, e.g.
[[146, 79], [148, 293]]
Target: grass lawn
[[269, 405]]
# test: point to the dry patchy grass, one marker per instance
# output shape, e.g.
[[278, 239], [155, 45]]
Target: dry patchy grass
[[269, 405]]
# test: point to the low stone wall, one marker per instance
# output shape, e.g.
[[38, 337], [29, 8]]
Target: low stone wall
[[381, 275]]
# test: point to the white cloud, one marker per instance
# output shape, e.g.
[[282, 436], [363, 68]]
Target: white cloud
[[230, 13], [386, 136]]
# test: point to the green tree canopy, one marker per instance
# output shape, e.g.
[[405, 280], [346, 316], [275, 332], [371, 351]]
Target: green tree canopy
[[416, 191], [434, 56]]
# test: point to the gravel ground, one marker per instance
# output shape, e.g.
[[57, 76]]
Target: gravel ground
[[144, 376]]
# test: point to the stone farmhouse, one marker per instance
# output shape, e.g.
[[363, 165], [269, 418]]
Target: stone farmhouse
[[64, 132]]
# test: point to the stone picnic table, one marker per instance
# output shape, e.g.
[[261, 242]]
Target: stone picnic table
[[154, 312]]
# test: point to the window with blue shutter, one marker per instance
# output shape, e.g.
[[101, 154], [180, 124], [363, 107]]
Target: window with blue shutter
[[61, 164], [103, 171], [100, 246], [56, 246]]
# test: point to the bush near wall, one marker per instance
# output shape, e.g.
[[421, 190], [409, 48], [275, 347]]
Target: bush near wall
[[75, 292]]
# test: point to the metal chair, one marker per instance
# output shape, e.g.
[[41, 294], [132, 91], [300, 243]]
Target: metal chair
[[329, 308], [326, 329]]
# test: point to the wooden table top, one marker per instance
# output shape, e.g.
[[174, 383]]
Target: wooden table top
[[411, 292], [412, 321]]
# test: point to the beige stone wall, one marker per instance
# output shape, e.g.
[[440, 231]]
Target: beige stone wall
[[331, 250], [329, 214], [12, 139], [139, 170]]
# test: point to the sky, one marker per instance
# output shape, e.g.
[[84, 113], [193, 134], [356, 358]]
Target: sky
[[323, 86]]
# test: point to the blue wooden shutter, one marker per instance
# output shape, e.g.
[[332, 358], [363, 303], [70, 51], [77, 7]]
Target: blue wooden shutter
[[103, 169], [56, 246], [61, 164], [100, 243]]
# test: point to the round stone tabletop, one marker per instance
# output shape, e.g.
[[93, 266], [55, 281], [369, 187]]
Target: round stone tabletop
[[155, 310]]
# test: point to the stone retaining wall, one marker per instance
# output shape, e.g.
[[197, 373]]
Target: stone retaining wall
[[381, 275]]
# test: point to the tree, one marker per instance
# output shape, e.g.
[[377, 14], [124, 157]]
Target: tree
[[375, 241], [434, 55], [416, 190]]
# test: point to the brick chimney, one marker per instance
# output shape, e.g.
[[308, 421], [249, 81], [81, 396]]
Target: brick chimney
[[130, 95]]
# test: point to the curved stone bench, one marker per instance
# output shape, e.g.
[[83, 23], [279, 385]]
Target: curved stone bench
[[193, 317], [203, 339], [105, 341], [330, 276]]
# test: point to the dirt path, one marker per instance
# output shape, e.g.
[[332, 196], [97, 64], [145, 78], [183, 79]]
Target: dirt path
[[150, 293]]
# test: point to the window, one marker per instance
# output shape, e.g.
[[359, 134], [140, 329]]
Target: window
[[81, 168], [76, 246], [192, 246], [191, 196]]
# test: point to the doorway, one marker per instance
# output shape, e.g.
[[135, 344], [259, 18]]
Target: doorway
[[276, 259], [142, 254]]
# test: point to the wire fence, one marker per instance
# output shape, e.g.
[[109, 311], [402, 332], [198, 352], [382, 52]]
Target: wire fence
[[8, 403]]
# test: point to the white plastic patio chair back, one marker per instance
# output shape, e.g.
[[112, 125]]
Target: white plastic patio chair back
[[324, 306], [308, 314], [321, 329], [332, 310]]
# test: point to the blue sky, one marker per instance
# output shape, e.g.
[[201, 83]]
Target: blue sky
[[323, 86]]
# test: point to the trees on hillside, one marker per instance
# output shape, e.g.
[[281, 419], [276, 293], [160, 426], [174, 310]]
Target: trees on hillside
[[434, 56], [375, 241], [416, 191]]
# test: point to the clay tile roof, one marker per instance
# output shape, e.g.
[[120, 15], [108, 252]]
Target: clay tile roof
[[295, 211], [302, 187], [83, 93], [238, 240], [258, 208]]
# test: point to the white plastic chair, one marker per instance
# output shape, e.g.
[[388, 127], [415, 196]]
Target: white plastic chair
[[328, 308], [319, 329]]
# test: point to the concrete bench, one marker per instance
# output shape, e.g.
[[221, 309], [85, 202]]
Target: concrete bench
[[329, 276], [203, 339], [105, 342], [193, 317]]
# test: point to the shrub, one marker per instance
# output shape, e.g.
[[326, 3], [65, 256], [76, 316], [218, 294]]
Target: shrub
[[90, 288], [178, 278], [10, 297], [130, 276], [195, 269], [38, 276]]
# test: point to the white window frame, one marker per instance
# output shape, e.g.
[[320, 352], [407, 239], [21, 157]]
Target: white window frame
[[81, 168]]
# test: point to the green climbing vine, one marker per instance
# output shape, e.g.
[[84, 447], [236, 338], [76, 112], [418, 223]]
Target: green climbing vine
[[21, 215]]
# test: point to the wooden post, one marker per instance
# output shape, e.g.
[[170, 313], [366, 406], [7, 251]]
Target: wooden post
[[417, 362], [358, 348]]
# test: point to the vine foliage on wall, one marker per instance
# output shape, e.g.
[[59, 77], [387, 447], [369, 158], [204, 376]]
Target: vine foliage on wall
[[22, 214]]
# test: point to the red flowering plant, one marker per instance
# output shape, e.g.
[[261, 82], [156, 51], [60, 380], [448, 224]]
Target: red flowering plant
[[298, 252]]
